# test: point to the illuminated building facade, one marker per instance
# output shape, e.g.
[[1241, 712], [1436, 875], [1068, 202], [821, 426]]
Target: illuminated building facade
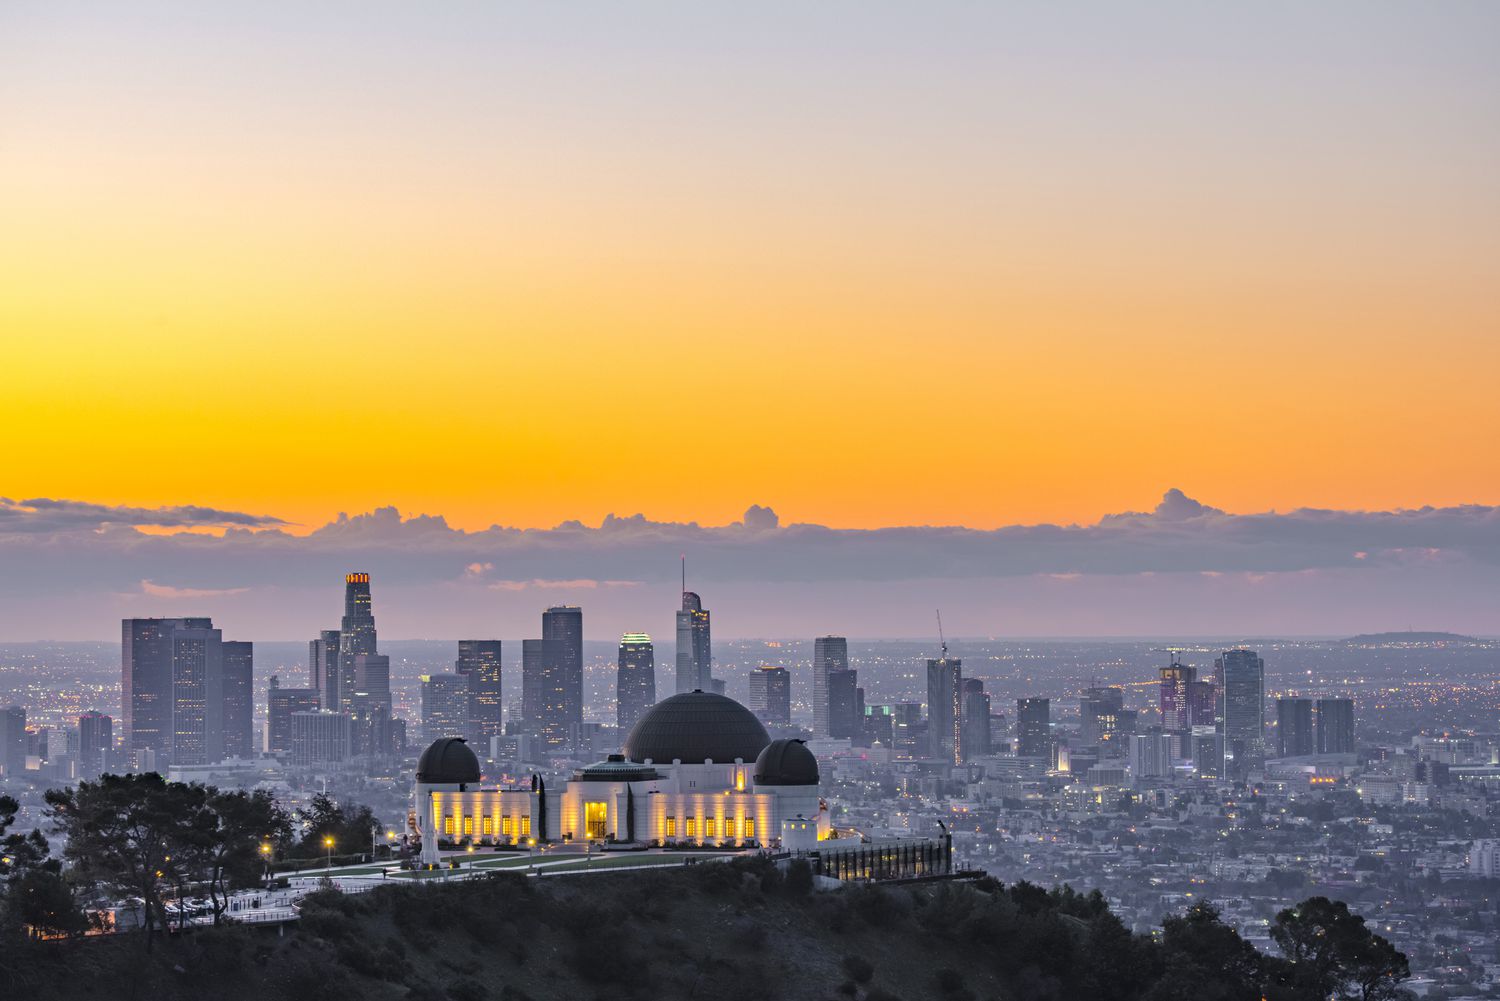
[[830, 653], [945, 708], [697, 768], [479, 662]]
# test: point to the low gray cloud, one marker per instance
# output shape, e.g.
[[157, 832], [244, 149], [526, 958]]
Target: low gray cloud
[[67, 548]]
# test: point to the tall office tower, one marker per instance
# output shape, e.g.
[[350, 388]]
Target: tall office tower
[[370, 724], [830, 653], [445, 706], [281, 703], [1151, 754], [323, 663], [1335, 726], [771, 695], [564, 623], [635, 680], [239, 698], [356, 637], [908, 730], [541, 714], [13, 740], [479, 662], [172, 683], [96, 742], [1294, 727], [880, 725], [1242, 697], [945, 708], [843, 704], [1098, 713], [975, 732], [146, 685], [320, 737], [1176, 678], [694, 650], [1203, 701], [1033, 728], [197, 693]]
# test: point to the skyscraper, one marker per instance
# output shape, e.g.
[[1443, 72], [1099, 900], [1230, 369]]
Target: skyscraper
[[1151, 754], [479, 662], [635, 680], [830, 653], [564, 624], [146, 685], [975, 731], [844, 714], [1176, 678], [239, 699], [1034, 728], [1336, 726], [1242, 698], [172, 684], [281, 704], [944, 708], [771, 695], [13, 740], [323, 663], [541, 716], [356, 639], [1202, 703], [96, 742], [1099, 714], [1294, 727], [445, 706], [694, 650]]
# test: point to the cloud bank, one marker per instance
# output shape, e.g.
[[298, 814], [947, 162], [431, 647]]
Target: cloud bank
[[59, 551]]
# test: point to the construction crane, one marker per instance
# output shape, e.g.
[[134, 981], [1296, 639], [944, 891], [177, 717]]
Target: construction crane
[[941, 641]]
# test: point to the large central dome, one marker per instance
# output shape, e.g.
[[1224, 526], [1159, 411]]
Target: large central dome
[[695, 727]]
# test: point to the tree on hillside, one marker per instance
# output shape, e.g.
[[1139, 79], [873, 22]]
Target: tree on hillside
[[1206, 959], [223, 837], [124, 831], [352, 827], [1330, 953], [35, 900]]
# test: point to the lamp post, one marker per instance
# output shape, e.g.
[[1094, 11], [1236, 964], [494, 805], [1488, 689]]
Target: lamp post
[[328, 844], [265, 857], [531, 855]]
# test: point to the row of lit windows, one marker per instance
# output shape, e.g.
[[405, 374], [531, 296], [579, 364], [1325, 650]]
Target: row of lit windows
[[487, 825], [709, 827]]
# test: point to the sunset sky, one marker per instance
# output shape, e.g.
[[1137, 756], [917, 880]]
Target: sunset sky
[[869, 264]]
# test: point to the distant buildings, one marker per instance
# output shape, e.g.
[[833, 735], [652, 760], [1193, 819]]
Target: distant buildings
[[1173, 701], [320, 737], [771, 695], [945, 708], [445, 706], [173, 690], [13, 740], [1294, 727], [479, 662], [694, 649], [281, 704], [96, 742], [239, 699], [323, 663], [1151, 754], [974, 733], [635, 680], [844, 710], [1336, 726], [1242, 686], [830, 653], [563, 694], [1034, 728], [541, 704]]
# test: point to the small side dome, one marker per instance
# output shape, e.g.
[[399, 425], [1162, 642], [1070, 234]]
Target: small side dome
[[448, 761], [786, 763]]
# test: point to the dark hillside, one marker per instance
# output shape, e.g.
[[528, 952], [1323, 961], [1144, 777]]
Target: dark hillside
[[714, 931]]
